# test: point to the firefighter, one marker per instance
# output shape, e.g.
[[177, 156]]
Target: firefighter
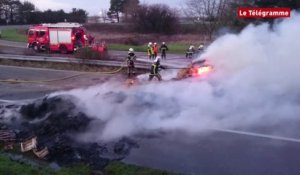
[[201, 48], [130, 63], [91, 39], [78, 40], [163, 48], [150, 51], [155, 50], [190, 51], [154, 72]]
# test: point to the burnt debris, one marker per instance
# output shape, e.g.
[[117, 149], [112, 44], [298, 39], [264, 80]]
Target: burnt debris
[[54, 122]]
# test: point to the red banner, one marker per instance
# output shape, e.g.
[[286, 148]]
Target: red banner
[[263, 12]]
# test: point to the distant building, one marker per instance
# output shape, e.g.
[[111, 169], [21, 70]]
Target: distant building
[[98, 19]]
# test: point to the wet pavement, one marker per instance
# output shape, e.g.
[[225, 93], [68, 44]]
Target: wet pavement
[[17, 91], [217, 153], [207, 153], [12, 47]]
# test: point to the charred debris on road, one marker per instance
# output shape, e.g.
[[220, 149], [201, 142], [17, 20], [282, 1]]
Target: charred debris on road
[[45, 127]]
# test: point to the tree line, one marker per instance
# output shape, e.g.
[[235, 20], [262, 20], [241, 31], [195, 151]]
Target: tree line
[[212, 15], [17, 12], [207, 16], [156, 18]]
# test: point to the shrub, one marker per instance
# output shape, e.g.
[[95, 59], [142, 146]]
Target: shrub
[[132, 41], [89, 53], [156, 18]]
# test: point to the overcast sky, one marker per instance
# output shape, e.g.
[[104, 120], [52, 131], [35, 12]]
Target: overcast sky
[[93, 7]]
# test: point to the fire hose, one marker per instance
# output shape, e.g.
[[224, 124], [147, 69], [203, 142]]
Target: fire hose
[[68, 77], [60, 79]]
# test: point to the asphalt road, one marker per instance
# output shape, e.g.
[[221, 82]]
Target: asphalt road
[[203, 154], [16, 91], [116, 53], [211, 153], [13, 47], [13, 44], [217, 153]]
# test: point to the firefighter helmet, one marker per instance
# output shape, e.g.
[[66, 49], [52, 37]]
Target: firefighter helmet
[[157, 59]]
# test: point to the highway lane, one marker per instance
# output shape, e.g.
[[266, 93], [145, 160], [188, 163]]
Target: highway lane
[[114, 53], [17, 91], [173, 60], [13, 44], [207, 153], [217, 153]]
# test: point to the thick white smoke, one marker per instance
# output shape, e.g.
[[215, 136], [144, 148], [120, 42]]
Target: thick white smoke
[[255, 84]]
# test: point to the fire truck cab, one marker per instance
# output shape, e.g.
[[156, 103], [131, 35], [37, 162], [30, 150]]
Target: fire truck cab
[[62, 37]]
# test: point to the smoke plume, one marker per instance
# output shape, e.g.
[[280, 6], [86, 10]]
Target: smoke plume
[[255, 86]]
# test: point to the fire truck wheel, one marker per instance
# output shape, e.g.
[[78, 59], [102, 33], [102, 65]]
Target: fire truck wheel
[[36, 47], [63, 49]]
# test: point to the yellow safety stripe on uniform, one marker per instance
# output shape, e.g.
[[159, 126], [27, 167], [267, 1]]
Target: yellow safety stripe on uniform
[[150, 50], [154, 69]]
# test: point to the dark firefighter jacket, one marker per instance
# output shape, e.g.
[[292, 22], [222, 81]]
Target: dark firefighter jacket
[[130, 59], [155, 68], [163, 48]]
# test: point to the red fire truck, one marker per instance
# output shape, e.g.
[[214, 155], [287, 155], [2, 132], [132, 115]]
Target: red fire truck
[[62, 37]]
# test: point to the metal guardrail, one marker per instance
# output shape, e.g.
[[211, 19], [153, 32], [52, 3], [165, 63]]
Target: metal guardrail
[[114, 63], [141, 63]]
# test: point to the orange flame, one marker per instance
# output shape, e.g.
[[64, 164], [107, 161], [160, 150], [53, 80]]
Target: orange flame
[[203, 70]]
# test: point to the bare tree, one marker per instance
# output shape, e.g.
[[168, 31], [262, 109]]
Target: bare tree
[[208, 14], [94, 19], [10, 9], [156, 18], [103, 16], [26, 10], [130, 9]]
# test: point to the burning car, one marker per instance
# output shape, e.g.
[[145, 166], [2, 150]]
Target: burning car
[[199, 68]]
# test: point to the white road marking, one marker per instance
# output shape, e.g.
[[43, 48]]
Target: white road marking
[[288, 139]]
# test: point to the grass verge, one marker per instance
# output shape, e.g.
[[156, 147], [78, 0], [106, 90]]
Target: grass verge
[[178, 48], [16, 35], [10, 167], [13, 35], [118, 168], [7, 166]]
